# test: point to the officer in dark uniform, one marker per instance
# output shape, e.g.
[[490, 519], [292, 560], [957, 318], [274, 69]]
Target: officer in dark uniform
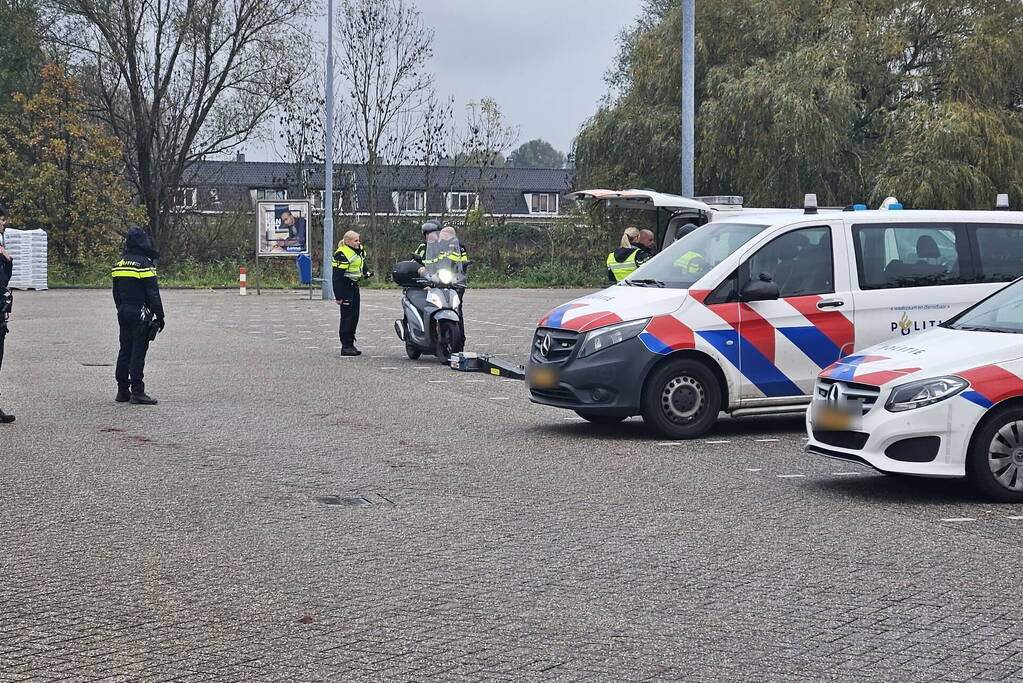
[[139, 313], [6, 269], [350, 268]]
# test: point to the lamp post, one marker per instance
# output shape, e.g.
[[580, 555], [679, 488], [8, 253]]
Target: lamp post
[[328, 155], [687, 112]]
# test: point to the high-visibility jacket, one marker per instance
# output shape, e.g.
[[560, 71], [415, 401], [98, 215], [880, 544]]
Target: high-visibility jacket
[[691, 262], [350, 262], [621, 269]]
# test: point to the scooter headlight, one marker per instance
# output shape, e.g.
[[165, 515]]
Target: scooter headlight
[[445, 276], [924, 393], [609, 336], [435, 299]]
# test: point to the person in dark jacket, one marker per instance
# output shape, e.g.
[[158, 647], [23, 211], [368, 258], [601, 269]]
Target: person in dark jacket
[[139, 311], [6, 270], [350, 268]]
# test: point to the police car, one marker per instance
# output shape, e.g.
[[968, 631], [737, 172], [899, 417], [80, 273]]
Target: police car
[[947, 403], [774, 298]]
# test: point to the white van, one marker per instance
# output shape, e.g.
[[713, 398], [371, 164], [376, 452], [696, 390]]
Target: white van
[[742, 314]]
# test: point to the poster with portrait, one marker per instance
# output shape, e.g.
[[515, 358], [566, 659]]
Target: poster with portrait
[[283, 227]]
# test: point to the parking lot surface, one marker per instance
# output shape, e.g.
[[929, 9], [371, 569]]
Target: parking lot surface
[[286, 513]]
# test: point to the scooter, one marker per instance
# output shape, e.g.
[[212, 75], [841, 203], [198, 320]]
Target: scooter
[[432, 306]]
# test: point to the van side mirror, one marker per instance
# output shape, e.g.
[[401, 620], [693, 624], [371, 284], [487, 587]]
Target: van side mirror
[[762, 289]]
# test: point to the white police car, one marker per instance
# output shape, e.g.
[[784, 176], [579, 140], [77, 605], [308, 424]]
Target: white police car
[[946, 403]]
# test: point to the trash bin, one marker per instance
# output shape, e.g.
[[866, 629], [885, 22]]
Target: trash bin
[[305, 269]]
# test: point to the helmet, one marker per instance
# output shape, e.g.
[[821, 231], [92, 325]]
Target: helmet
[[685, 230], [430, 226]]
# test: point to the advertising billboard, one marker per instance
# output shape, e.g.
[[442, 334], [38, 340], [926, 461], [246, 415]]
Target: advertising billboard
[[283, 227]]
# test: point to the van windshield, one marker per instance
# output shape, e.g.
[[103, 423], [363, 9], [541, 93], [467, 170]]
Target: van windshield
[[690, 258], [1000, 312]]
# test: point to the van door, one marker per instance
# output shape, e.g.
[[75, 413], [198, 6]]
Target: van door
[[784, 343], [910, 277]]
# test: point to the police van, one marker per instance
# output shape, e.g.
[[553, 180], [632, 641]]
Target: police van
[[742, 314]]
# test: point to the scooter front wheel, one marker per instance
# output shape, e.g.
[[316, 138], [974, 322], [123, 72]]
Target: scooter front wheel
[[447, 340]]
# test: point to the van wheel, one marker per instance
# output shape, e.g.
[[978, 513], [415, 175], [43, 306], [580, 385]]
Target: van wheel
[[994, 464], [600, 419], [682, 399]]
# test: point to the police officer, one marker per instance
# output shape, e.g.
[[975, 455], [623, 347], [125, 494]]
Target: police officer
[[691, 262], [350, 268], [430, 230], [636, 247], [139, 313], [6, 269]]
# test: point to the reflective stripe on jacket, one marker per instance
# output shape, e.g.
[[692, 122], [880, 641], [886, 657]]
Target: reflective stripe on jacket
[[691, 262], [622, 269], [349, 261]]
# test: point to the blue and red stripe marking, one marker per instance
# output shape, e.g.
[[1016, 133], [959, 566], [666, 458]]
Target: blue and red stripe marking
[[990, 384]]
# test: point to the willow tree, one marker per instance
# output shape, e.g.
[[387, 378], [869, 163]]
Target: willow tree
[[852, 99]]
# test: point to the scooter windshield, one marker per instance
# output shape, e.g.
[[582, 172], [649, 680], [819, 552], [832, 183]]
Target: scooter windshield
[[445, 262]]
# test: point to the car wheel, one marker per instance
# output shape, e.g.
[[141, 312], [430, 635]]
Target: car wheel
[[682, 399], [994, 464], [598, 419]]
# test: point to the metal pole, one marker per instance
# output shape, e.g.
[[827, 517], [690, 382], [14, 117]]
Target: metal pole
[[328, 153], [688, 110]]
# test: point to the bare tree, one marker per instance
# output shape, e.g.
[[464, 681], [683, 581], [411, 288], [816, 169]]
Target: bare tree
[[179, 80], [431, 146], [384, 46], [484, 142]]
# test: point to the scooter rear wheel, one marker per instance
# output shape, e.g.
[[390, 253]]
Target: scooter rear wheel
[[412, 352]]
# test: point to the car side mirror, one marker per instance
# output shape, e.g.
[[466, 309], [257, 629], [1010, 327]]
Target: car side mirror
[[762, 289]]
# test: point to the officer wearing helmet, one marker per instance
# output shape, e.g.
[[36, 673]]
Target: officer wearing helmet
[[691, 262], [431, 232], [139, 314]]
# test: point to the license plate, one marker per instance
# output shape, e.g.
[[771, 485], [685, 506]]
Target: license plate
[[844, 417], [542, 378]]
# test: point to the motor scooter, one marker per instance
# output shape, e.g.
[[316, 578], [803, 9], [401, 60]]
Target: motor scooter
[[431, 302]]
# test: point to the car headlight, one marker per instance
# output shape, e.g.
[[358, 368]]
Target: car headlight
[[924, 393], [434, 298], [609, 336]]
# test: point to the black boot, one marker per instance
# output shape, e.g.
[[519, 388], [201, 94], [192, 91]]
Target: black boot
[[350, 351], [5, 418], [123, 395], [141, 399]]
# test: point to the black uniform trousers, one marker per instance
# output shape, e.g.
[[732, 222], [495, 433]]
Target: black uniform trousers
[[131, 358], [350, 304]]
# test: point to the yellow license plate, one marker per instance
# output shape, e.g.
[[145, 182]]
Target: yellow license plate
[[543, 378]]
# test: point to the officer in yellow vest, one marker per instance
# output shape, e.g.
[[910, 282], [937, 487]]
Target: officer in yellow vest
[[636, 247], [349, 269], [139, 315], [691, 262]]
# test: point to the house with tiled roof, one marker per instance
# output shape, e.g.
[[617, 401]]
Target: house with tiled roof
[[522, 194]]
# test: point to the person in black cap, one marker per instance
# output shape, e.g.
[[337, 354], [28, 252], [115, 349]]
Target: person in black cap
[[139, 314], [6, 270]]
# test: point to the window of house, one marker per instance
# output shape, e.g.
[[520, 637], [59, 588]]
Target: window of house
[[321, 198], [909, 255], [409, 201], [185, 198], [542, 202], [270, 194], [461, 201]]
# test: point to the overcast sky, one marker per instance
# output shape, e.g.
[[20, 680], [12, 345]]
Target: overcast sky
[[543, 61]]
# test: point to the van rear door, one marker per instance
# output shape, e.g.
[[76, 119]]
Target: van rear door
[[671, 209]]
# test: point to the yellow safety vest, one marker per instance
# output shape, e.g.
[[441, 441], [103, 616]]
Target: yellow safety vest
[[352, 263], [132, 269], [622, 269], [691, 262]]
